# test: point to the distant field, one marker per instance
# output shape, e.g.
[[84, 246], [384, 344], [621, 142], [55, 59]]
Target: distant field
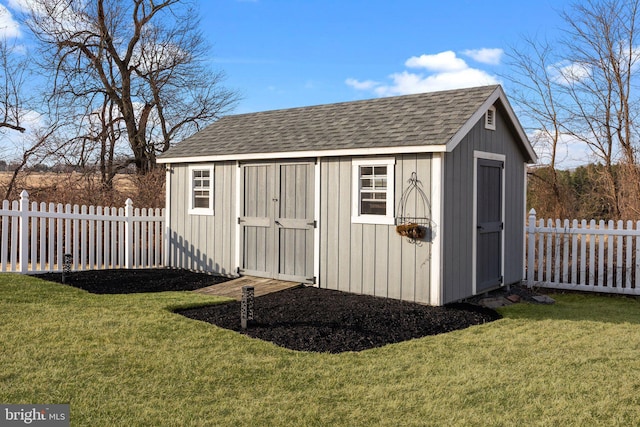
[[40, 180]]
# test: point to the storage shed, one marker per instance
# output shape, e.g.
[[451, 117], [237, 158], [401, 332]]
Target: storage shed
[[417, 197]]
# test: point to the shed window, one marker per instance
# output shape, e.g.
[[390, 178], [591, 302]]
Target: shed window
[[373, 195], [201, 190]]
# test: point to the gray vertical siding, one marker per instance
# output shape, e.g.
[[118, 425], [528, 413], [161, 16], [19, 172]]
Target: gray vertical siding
[[369, 258], [363, 258], [458, 207], [203, 242]]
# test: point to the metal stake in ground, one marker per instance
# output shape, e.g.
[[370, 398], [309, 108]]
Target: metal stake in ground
[[66, 266], [246, 305]]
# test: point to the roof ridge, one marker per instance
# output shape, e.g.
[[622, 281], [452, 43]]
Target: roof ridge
[[369, 100]]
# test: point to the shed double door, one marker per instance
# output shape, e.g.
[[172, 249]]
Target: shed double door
[[489, 225], [277, 220]]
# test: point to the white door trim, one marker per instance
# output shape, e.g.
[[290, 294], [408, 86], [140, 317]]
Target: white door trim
[[474, 251]]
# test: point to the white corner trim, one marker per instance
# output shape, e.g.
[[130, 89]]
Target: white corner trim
[[167, 216], [524, 229], [437, 214]]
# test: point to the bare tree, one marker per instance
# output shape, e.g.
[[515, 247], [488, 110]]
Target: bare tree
[[602, 57], [137, 65], [12, 74], [538, 93], [582, 86]]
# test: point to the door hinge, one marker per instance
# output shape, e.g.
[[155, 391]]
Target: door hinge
[[502, 226], [314, 223], [501, 279], [312, 279]]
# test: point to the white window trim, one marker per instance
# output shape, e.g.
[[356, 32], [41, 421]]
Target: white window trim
[[490, 124], [201, 211], [389, 218]]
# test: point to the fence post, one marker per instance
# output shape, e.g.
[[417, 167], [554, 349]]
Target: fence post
[[531, 251], [23, 243], [129, 244]]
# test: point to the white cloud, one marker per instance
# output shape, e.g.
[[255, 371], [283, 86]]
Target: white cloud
[[485, 55], [9, 28], [22, 5], [444, 71], [407, 83], [65, 18], [439, 62], [571, 151], [568, 73], [361, 85]]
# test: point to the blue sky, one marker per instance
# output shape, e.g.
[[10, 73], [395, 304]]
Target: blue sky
[[281, 54], [290, 53]]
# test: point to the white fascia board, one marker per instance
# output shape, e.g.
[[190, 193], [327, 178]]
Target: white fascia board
[[498, 93], [299, 154]]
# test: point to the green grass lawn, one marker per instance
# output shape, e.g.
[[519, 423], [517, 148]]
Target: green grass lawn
[[127, 360]]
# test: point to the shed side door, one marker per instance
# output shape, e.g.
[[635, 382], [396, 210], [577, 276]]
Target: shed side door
[[489, 225]]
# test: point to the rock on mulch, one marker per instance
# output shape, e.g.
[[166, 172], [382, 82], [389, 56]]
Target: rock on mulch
[[510, 295], [322, 320]]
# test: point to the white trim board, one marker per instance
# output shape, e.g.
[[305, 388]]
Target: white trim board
[[238, 172], [439, 148], [316, 214], [167, 216], [437, 215]]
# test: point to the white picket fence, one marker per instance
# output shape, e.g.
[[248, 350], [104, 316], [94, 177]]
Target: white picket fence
[[34, 238], [584, 256]]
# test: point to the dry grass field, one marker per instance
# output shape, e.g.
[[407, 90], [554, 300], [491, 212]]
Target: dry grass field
[[82, 189]]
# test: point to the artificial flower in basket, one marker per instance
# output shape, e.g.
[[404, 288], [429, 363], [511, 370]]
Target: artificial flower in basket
[[411, 230]]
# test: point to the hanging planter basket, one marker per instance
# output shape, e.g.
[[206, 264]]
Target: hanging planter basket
[[409, 225], [411, 230]]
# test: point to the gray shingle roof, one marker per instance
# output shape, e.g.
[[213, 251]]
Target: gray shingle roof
[[410, 120]]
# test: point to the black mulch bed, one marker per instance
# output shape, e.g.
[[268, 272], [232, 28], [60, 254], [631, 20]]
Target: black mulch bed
[[135, 281], [322, 320], [305, 318]]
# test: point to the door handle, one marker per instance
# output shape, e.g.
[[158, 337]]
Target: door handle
[[278, 223]]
